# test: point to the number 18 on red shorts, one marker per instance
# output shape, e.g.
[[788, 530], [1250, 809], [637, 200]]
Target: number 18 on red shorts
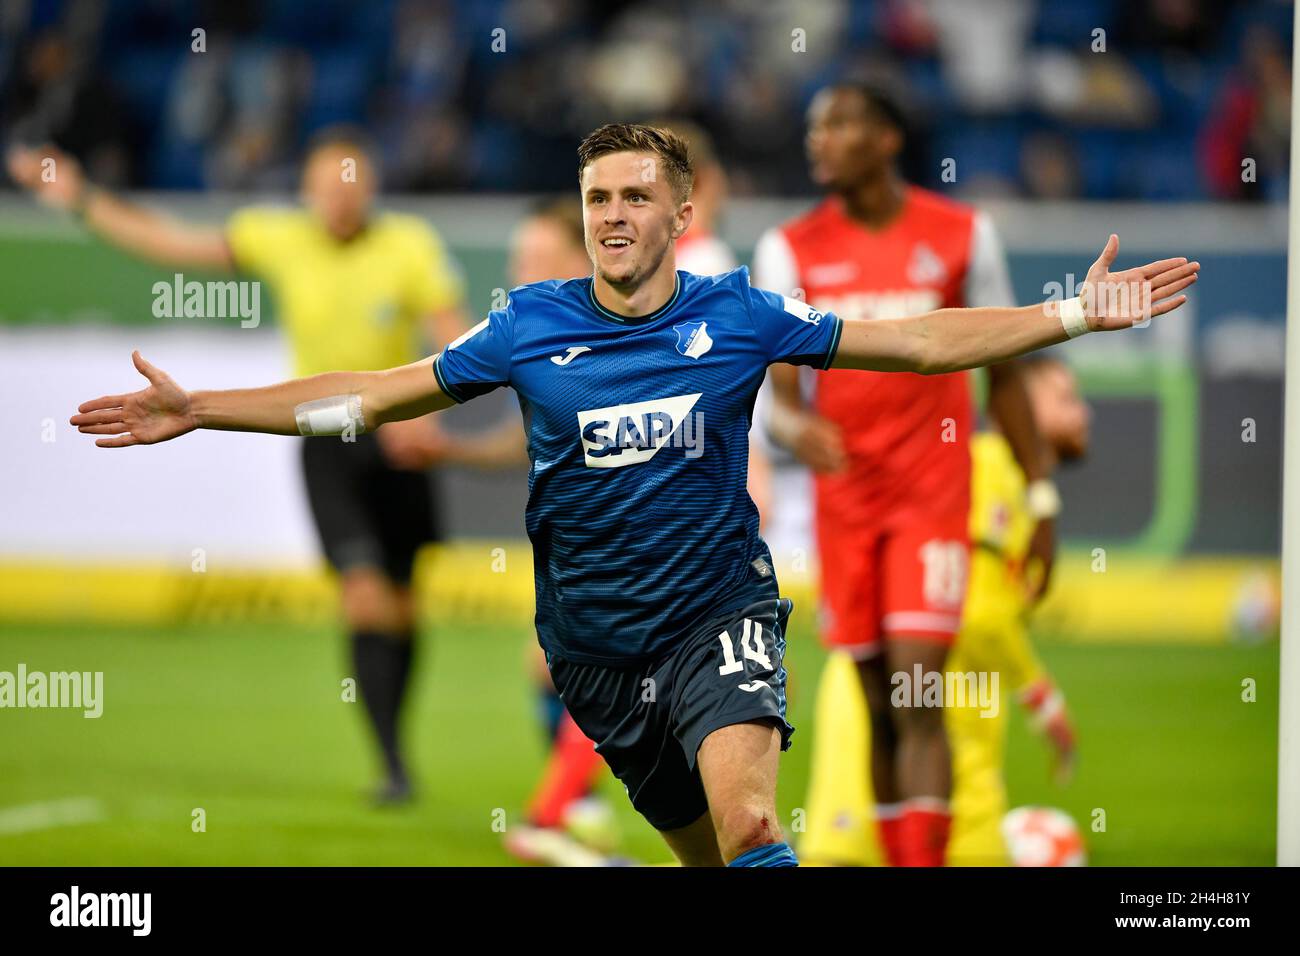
[[892, 583]]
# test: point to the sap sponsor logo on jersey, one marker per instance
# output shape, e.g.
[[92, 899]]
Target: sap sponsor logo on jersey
[[802, 310], [859, 306], [693, 338], [633, 433]]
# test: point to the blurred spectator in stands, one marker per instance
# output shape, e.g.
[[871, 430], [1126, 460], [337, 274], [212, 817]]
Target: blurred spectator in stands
[[456, 106], [1086, 88], [57, 96], [257, 146], [424, 136], [983, 45], [1048, 168], [1185, 26], [1251, 121]]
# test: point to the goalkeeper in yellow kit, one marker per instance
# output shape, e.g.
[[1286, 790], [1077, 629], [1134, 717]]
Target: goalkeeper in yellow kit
[[993, 640]]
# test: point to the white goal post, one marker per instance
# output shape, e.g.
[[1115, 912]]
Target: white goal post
[[1288, 730]]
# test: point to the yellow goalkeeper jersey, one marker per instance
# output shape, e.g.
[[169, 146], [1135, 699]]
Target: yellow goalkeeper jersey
[[993, 622], [350, 305], [1000, 529]]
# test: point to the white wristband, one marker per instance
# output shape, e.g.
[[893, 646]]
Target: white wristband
[[336, 415], [1042, 499], [1073, 317]]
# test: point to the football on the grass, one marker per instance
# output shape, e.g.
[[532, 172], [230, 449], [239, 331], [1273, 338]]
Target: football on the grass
[[1042, 836]]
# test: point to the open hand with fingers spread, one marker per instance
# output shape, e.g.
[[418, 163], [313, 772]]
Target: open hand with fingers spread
[[154, 414], [1118, 300]]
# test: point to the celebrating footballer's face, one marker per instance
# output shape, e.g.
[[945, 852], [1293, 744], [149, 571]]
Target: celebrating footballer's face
[[339, 185], [849, 141], [632, 214]]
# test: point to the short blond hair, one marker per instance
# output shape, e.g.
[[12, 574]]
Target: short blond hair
[[674, 155]]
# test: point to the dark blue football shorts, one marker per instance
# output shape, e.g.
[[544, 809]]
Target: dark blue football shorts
[[649, 720]]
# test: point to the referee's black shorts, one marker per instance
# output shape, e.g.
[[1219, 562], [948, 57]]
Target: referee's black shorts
[[367, 513]]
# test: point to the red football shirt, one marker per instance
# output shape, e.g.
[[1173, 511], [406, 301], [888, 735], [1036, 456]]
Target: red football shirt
[[907, 435]]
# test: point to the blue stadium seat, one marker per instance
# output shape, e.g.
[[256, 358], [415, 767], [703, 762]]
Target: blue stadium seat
[[1071, 24], [143, 77], [926, 88], [496, 155], [862, 28], [320, 23], [1161, 167], [1098, 154], [980, 147], [129, 23], [339, 88], [177, 164]]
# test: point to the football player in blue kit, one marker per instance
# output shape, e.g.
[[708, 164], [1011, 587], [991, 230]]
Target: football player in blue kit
[[657, 605]]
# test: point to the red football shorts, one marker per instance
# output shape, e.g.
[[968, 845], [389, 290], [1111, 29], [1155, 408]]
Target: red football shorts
[[899, 582]]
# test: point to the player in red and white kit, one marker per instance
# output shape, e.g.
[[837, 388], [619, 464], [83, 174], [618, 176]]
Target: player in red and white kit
[[891, 452]]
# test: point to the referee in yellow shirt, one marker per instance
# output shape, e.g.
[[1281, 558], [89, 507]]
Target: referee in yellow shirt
[[356, 289]]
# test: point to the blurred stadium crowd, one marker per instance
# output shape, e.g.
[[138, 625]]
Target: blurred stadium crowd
[[1020, 90]]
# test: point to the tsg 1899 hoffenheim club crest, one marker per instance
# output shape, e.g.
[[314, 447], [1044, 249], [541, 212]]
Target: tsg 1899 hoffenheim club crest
[[693, 338]]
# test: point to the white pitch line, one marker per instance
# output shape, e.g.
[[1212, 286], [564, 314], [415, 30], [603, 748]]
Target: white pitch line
[[29, 817]]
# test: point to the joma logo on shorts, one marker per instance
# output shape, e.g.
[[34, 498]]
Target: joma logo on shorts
[[633, 433]]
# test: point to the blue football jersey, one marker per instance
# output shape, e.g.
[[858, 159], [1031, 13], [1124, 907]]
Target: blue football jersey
[[638, 434]]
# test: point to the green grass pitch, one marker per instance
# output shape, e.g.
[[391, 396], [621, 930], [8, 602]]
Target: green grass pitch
[[247, 723]]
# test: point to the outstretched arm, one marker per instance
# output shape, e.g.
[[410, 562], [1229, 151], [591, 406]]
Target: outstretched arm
[[318, 405], [57, 180], [950, 340]]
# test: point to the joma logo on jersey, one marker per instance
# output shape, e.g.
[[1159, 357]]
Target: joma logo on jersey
[[633, 433]]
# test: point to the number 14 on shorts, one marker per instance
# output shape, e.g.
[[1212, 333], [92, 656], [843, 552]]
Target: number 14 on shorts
[[751, 648]]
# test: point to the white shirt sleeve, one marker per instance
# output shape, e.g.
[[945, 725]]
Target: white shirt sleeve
[[988, 282], [775, 268]]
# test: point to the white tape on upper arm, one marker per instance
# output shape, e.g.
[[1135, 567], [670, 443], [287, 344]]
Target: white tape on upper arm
[[335, 415]]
